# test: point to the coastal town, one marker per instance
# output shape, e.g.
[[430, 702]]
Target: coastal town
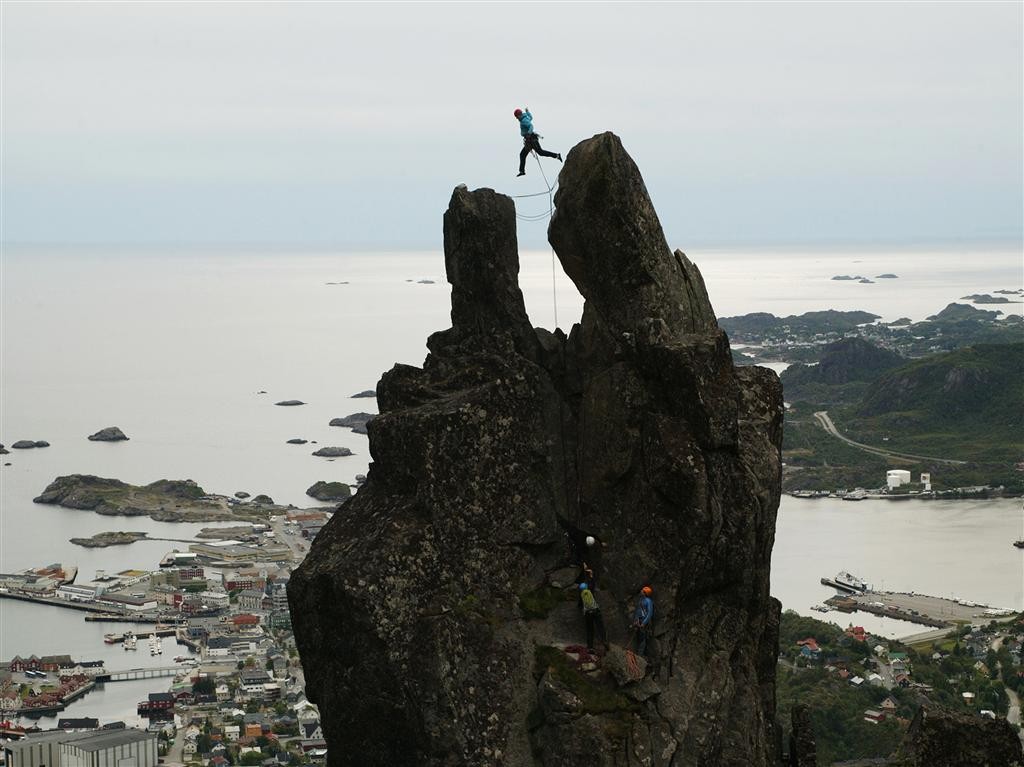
[[975, 668], [228, 687]]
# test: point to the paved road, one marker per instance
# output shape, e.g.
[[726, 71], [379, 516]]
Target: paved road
[[826, 423], [927, 636], [175, 755], [1013, 713]]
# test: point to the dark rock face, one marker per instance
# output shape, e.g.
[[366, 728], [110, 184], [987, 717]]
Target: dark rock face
[[24, 444], [262, 499], [946, 738], [109, 434], [290, 403], [368, 394], [637, 429], [297, 441], [803, 751]]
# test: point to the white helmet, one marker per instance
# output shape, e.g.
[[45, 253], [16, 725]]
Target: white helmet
[[590, 540]]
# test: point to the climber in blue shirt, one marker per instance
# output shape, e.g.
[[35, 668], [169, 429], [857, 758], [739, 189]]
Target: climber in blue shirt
[[531, 141], [642, 616]]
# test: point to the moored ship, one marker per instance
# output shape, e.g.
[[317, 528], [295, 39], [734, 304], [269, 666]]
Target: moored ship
[[846, 582]]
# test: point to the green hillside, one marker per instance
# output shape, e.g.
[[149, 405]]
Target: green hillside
[[967, 404], [841, 376]]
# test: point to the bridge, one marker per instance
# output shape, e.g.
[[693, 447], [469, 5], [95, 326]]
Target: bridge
[[129, 674]]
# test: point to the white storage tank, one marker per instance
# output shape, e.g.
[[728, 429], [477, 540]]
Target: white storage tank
[[896, 477]]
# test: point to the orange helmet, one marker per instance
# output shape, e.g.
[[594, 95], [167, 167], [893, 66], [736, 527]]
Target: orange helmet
[[646, 591]]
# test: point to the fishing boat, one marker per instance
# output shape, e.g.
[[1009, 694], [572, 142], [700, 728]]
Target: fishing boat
[[130, 641]]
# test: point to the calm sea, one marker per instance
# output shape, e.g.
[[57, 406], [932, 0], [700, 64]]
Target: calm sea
[[176, 346]]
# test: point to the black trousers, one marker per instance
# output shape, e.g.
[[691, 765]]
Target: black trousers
[[532, 142], [593, 620], [643, 634]]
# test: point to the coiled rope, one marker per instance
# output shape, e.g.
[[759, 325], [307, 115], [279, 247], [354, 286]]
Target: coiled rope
[[633, 666]]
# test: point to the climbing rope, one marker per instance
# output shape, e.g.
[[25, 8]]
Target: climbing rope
[[633, 666], [551, 212], [549, 191]]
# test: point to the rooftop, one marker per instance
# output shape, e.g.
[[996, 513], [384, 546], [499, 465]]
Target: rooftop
[[112, 738]]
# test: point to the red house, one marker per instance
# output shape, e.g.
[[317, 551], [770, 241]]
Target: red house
[[857, 633]]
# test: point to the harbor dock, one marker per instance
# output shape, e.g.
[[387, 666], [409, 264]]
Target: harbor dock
[[937, 612]]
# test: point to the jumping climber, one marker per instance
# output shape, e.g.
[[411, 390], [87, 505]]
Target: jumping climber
[[530, 140]]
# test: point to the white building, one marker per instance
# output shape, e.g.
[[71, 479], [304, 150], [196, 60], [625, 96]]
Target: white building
[[926, 480], [218, 600], [896, 477], [73, 593]]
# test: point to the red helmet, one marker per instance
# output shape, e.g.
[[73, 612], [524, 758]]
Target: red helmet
[[518, 112]]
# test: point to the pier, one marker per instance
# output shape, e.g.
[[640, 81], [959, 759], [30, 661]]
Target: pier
[[164, 632], [922, 609], [54, 602]]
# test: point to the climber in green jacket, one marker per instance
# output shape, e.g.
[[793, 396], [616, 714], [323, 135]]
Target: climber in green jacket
[[592, 617]]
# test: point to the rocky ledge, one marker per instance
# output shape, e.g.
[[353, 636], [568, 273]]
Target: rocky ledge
[[437, 606]]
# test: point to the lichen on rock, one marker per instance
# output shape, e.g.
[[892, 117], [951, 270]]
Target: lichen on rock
[[428, 606]]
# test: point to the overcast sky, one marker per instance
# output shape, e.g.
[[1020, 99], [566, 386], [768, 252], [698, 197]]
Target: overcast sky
[[349, 124]]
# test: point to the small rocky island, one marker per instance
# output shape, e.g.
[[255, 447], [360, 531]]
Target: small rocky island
[[333, 452], [109, 434], [329, 491], [356, 422], [115, 538], [166, 500]]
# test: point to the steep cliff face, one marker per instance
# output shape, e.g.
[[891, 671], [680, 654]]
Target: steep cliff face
[[436, 612], [944, 738]]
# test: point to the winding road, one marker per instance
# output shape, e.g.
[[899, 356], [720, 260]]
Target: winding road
[[826, 423]]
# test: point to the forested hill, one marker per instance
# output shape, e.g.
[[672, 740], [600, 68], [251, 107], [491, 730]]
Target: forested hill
[[982, 384], [752, 327], [851, 359]]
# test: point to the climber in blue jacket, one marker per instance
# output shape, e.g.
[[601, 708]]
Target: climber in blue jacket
[[642, 616], [531, 141]]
